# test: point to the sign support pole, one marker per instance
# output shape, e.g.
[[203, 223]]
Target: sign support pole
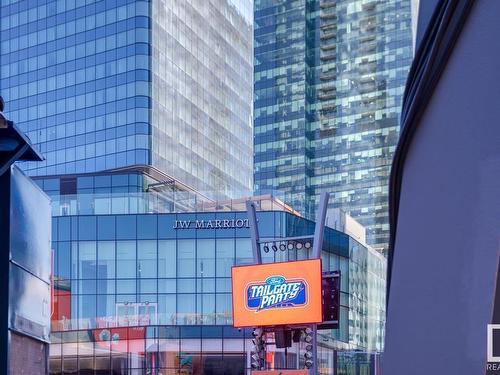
[[319, 231], [254, 231], [316, 254], [314, 368]]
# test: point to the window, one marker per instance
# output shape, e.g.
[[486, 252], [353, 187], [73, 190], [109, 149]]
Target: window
[[205, 251], [87, 228], [63, 256], [106, 227], [225, 257], [167, 308], [244, 253], [186, 309], [146, 227], [167, 259], [87, 260], [186, 258], [106, 260], [126, 259], [146, 259], [125, 227], [224, 309]]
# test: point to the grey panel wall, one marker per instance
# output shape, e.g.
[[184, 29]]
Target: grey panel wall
[[30, 258], [448, 232]]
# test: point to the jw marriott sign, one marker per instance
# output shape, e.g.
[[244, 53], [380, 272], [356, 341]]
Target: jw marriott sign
[[211, 224]]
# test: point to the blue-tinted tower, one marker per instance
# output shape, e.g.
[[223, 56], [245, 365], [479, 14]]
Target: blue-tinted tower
[[161, 85], [329, 77]]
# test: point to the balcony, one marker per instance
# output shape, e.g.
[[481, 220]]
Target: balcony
[[325, 4], [328, 77], [329, 57]]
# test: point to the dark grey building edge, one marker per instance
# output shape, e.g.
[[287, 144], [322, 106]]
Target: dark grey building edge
[[444, 204], [432, 54]]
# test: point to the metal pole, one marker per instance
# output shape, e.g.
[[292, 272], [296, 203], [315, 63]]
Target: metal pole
[[286, 359], [314, 368], [320, 225], [201, 271], [254, 231]]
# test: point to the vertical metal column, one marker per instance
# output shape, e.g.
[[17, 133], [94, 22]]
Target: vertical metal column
[[319, 230], [314, 369], [254, 231], [257, 259], [5, 336]]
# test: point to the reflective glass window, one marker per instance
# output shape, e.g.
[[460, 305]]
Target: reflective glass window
[[186, 258], [225, 257], [167, 258], [106, 259], [147, 259], [205, 251], [87, 267], [126, 259]]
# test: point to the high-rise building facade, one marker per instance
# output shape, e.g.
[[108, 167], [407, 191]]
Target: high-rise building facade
[[136, 292], [329, 78], [103, 85]]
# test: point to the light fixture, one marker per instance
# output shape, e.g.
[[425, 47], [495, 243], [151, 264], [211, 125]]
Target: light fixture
[[308, 355], [266, 248], [275, 248], [309, 363], [282, 246], [309, 335], [299, 245], [307, 245], [290, 245]]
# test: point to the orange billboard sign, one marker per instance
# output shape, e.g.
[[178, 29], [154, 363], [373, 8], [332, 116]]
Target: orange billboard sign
[[277, 293]]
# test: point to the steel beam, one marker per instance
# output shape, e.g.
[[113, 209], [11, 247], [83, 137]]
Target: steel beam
[[254, 231], [13, 158], [319, 230]]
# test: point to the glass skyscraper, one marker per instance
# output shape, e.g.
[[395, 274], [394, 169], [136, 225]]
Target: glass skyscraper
[[329, 78], [106, 85]]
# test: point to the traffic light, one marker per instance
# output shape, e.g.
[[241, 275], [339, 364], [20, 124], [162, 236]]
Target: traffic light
[[258, 350], [331, 300]]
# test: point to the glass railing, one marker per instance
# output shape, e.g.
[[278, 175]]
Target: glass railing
[[159, 202], [65, 324]]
